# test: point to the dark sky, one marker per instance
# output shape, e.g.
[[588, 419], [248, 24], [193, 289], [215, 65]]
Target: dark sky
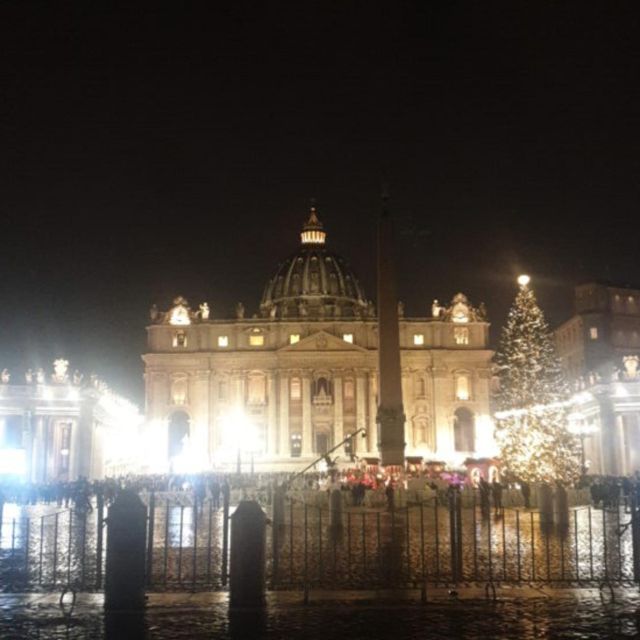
[[146, 152]]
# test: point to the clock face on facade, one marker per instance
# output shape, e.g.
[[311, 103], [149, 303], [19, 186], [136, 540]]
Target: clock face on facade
[[460, 313]]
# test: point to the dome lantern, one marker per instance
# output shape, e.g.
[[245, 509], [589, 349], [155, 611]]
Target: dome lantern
[[312, 231]]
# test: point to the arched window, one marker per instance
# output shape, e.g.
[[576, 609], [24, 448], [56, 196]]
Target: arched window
[[257, 389], [295, 284], [464, 430], [179, 390], [178, 432], [462, 387], [322, 385]]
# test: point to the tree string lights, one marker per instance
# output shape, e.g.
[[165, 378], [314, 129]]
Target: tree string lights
[[533, 399]]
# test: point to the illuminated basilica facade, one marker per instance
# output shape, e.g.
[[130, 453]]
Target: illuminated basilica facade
[[288, 384]]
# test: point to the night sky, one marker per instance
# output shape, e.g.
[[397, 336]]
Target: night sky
[[148, 152]]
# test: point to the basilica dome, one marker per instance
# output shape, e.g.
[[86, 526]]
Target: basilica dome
[[314, 282]]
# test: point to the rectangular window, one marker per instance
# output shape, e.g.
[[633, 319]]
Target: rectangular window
[[418, 339], [593, 333], [461, 335], [256, 340], [296, 445], [223, 341], [349, 389], [293, 338], [295, 389], [462, 388], [222, 390], [348, 337], [180, 339]]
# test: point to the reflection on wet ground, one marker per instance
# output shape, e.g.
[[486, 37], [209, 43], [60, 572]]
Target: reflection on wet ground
[[543, 615]]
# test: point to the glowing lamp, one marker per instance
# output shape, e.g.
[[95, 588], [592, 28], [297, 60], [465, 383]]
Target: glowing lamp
[[523, 280]]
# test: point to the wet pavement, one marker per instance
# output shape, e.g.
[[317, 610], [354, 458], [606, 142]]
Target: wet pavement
[[518, 612]]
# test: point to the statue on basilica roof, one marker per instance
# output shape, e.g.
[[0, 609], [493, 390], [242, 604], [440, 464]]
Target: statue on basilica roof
[[461, 311], [60, 367], [180, 313]]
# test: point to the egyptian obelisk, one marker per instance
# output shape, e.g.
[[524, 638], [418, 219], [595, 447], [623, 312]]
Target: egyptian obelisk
[[390, 416]]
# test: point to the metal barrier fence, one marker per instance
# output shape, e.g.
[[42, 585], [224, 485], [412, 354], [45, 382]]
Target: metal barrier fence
[[446, 544], [187, 543], [51, 551], [433, 542]]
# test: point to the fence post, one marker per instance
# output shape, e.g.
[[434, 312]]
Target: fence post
[[635, 534], [99, 537], [248, 558], [455, 528], [278, 511], [150, 532], [225, 536], [561, 515], [545, 505], [336, 511], [126, 537]]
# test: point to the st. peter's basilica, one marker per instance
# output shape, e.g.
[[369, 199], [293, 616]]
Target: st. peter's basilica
[[287, 385]]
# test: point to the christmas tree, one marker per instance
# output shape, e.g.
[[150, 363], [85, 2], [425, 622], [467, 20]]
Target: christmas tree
[[532, 400]]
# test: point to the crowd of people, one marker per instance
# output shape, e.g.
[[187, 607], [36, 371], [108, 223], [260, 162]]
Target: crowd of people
[[82, 494]]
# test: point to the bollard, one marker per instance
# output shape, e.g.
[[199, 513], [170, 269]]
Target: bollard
[[248, 558], [126, 539], [336, 510]]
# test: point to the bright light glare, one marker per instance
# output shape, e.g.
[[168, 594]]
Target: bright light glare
[[486, 446], [13, 462], [524, 280], [239, 433]]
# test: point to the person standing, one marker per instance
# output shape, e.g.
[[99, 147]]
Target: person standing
[[485, 490], [389, 492], [526, 493], [496, 490]]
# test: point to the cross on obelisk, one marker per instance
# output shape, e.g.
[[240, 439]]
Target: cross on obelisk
[[390, 416]]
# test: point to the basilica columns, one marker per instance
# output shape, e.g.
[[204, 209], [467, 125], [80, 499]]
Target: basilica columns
[[272, 430], [338, 414], [361, 402], [307, 432], [283, 426], [372, 428]]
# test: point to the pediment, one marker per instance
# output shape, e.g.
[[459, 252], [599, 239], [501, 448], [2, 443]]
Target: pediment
[[322, 341]]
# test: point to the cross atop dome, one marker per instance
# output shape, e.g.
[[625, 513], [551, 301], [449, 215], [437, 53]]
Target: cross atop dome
[[312, 231]]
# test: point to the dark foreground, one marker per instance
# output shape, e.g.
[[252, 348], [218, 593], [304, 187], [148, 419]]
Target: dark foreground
[[518, 613]]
